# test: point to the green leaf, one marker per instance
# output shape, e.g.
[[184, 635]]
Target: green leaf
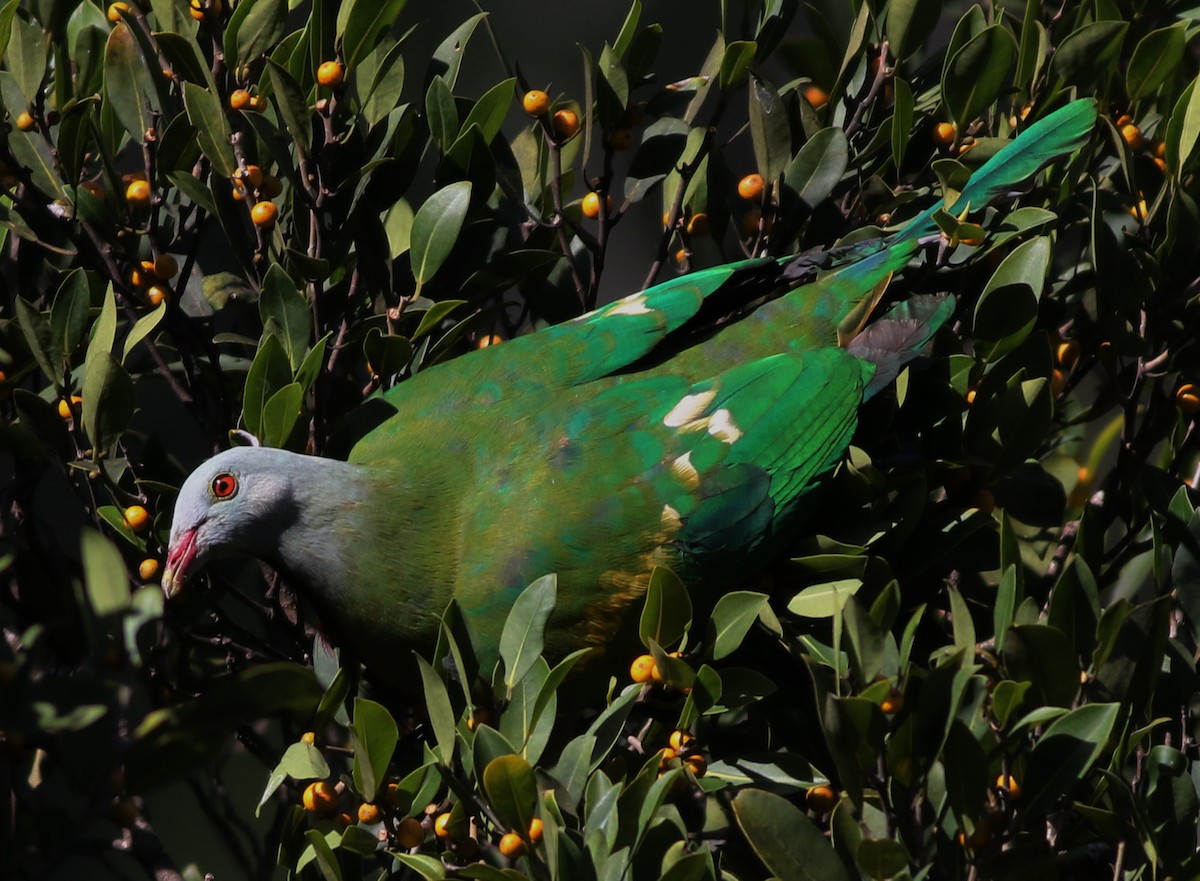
[[491, 109], [823, 600], [512, 792], [977, 73], [373, 736], [769, 129], [1063, 755], [26, 56], [285, 313], [524, 630], [441, 113], [1088, 53], [293, 108], [212, 128], [301, 761], [36, 330], [909, 24], [428, 867], [735, 63], [447, 58], [326, 859], [127, 86], [1157, 57], [1043, 656], [142, 328], [441, 714], [732, 617], [361, 22], [254, 29], [785, 839], [667, 614], [881, 858], [818, 167], [104, 575], [269, 372], [108, 401], [902, 120], [436, 227], [280, 413]]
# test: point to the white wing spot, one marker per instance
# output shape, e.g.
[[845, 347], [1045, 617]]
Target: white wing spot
[[689, 409], [720, 426], [685, 471], [635, 304]]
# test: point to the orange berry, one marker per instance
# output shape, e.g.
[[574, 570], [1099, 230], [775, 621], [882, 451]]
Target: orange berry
[[681, 257], [166, 267], [681, 741], [1124, 119], [258, 103], [535, 830], [330, 74], [591, 205], [343, 820], [196, 9], [816, 96], [698, 225], [1067, 353], [157, 294], [1133, 136], [368, 814], [1187, 399], [115, 10], [751, 220], [137, 518], [309, 737], [1009, 785], [751, 187], [1058, 382], [536, 102], [271, 187], [643, 668], [66, 408], [490, 340], [511, 845], [94, 188], [1161, 164], [25, 122], [697, 764], [943, 134], [320, 798], [137, 194], [893, 703], [263, 214], [252, 175], [821, 798], [1160, 150], [410, 833], [240, 99], [565, 123], [441, 826], [148, 569], [1140, 211], [620, 139]]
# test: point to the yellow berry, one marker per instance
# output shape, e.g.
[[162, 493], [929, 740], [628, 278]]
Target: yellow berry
[[148, 569], [309, 737], [1058, 382], [409, 833], [271, 187], [535, 830], [697, 764], [591, 205], [66, 408], [252, 175], [643, 668], [368, 814], [681, 741], [536, 102], [137, 517], [137, 194], [165, 267], [751, 187], [258, 103], [343, 820], [1187, 399], [821, 798], [943, 134], [566, 123], [25, 122], [263, 214], [320, 798], [1133, 136], [1067, 353], [893, 703], [751, 220], [816, 96], [1010, 785], [157, 294], [330, 74], [511, 845], [240, 99], [115, 10], [490, 340], [698, 225], [441, 826]]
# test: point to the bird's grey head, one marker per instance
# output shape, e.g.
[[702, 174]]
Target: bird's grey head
[[238, 501]]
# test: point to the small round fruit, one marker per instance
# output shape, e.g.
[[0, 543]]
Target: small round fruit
[[330, 74], [258, 103], [409, 833], [137, 517], [156, 294], [565, 123], [25, 122], [239, 99], [441, 826], [536, 102], [1009, 784], [816, 96], [263, 214], [320, 798], [511, 845], [698, 765], [253, 175], [821, 798], [271, 187], [943, 134], [698, 225], [1067, 353], [751, 187], [148, 569], [984, 501], [124, 811], [591, 205], [642, 669], [535, 830], [893, 703], [681, 741], [137, 194], [166, 267], [343, 820], [66, 407], [751, 221], [1140, 211], [115, 10], [1058, 382], [490, 340], [1187, 399], [196, 9], [1133, 136], [309, 737], [620, 139], [369, 814]]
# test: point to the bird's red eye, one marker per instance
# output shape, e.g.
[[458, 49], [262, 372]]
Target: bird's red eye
[[224, 486]]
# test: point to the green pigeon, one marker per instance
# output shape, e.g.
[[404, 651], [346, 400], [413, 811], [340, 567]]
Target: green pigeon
[[674, 427]]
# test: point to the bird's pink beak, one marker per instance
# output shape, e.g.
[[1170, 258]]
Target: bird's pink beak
[[179, 559]]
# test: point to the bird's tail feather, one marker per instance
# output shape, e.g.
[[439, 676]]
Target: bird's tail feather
[[899, 336]]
